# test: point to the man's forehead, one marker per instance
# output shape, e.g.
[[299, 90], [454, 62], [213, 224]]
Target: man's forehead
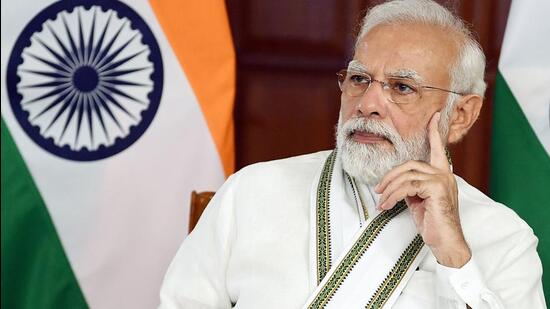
[[407, 49], [356, 65]]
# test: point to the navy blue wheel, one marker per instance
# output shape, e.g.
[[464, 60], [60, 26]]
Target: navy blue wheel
[[85, 78]]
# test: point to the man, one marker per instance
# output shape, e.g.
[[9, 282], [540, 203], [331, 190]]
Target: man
[[381, 221]]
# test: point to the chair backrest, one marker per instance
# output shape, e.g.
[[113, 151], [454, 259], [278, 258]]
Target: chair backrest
[[199, 201]]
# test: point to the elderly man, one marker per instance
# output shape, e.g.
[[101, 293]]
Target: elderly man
[[381, 221]]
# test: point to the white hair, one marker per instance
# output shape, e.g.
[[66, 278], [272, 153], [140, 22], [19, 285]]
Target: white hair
[[467, 74]]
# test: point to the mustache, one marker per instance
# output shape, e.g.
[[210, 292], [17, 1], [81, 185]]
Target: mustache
[[371, 126]]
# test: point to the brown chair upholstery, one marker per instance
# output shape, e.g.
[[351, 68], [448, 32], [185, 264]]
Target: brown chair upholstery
[[199, 200]]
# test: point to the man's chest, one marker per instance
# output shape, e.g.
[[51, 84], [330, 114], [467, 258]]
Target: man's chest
[[276, 268]]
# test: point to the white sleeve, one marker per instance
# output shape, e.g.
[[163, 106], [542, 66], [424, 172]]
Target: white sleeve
[[457, 287], [516, 285], [196, 276]]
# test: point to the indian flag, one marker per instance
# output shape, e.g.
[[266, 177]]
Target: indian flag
[[112, 113], [520, 162]]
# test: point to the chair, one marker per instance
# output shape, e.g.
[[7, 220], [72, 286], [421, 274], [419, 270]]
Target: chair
[[199, 201]]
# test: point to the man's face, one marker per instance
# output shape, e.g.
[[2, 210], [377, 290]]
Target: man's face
[[375, 134]]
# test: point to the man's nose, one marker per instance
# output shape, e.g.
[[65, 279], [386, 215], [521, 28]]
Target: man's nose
[[372, 103]]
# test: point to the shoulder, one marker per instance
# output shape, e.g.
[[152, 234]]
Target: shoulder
[[475, 203], [269, 195], [486, 221], [504, 246], [293, 168], [288, 180]]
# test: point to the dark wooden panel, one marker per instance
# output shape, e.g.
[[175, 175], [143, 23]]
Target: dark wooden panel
[[287, 114], [305, 21], [308, 25]]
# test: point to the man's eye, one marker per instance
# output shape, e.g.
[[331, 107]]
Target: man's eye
[[359, 79], [403, 88]]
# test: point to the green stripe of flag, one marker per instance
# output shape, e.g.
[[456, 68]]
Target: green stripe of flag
[[35, 270], [520, 170]]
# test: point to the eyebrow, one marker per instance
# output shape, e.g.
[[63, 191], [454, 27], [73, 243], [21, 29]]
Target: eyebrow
[[405, 73], [355, 65]]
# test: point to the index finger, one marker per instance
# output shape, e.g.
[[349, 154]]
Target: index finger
[[438, 159]]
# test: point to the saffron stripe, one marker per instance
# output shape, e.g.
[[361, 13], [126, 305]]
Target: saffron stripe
[[211, 72]]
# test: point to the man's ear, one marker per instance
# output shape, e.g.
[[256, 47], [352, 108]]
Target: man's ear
[[464, 116]]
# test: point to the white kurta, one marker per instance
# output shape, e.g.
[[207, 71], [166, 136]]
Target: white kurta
[[252, 249]]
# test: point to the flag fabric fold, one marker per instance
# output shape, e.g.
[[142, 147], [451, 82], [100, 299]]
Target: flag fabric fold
[[520, 159]]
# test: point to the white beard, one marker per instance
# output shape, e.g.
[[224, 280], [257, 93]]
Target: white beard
[[368, 163]]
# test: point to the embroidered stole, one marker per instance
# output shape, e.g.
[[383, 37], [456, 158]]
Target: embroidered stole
[[374, 267]]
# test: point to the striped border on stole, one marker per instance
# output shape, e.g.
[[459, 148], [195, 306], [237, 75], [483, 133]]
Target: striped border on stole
[[323, 220], [399, 270], [336, 279]]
